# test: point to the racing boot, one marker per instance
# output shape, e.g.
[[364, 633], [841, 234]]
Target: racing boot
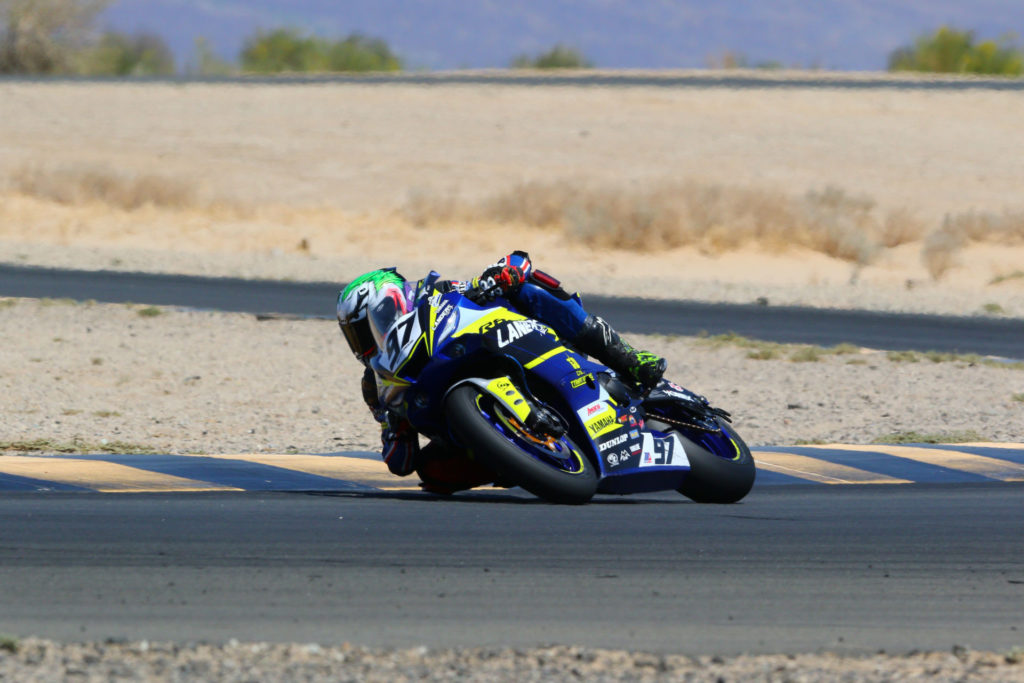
[[598, 339]]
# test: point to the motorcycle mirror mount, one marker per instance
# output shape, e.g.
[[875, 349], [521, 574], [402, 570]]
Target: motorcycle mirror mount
[[429, 281]]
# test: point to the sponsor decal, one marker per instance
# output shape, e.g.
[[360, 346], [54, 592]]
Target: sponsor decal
[[572, 362], [602, 422], [580, 381], [664, 451], [611, 443], [677, 394], [443, 313], [517, 328], [634, 434], [589, 409], [613, 459]]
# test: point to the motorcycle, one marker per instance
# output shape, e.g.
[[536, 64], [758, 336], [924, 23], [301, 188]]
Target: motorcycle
[[544, 417]]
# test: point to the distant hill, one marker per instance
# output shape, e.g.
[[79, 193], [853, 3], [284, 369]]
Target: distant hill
[[448, 34]]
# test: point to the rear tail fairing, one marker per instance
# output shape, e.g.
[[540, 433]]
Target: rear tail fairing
[[698, 424]]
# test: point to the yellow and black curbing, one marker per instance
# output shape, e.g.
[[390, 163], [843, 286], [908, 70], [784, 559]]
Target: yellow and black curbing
[[364, 472]]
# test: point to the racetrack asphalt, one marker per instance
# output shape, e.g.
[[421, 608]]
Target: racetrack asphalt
[[891, 331], [792, 568], [789, 569]]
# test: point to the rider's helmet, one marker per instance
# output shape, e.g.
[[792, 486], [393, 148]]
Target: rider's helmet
[[367, 307]]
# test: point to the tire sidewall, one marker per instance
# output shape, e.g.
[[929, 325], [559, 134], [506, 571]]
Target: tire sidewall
[[714, 479], [510, 462]]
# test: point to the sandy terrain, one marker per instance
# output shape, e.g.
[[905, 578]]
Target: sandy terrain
[[41, 660], [308, 182], [187, 381]]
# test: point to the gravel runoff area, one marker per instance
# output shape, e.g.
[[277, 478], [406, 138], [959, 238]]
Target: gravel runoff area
[[201, 382], [41, 660]]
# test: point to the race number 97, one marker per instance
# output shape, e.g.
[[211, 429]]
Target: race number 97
[[663, 451]]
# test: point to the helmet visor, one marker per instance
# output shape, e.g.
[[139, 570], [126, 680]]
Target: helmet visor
[[360, 339], [385, 312]]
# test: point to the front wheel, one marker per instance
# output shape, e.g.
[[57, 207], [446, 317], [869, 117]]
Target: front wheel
[[721, 466], [556, 471]]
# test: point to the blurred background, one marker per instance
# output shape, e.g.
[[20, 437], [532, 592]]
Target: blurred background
[[841, 152]]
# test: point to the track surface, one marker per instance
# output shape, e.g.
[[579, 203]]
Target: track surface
[[789, 569], [891, 331]]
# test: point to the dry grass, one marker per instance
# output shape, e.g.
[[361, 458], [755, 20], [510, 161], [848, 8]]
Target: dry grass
[[940, 247], [647, 217], [714, 218], [81, 184], [765, 350]]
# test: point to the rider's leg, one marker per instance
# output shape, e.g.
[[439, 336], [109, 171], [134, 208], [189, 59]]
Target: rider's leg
[[445, 469], [589, 333]]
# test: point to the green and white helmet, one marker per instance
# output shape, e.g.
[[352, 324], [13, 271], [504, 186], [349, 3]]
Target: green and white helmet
[[367, 307]]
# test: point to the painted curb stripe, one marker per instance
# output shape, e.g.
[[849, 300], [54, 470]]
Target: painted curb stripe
[[953, 458], [12, 482], [878, 461], [1010, 452], [228, 472], [364, 471], [360, 471], [813, 469], [92, 473]]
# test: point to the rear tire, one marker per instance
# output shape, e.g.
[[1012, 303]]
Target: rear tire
[[511, 462], [714, 478]]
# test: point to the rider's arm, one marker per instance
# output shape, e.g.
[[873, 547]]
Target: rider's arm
[[400, 445]]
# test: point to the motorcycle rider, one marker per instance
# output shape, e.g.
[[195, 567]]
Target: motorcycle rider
[[368, 306]]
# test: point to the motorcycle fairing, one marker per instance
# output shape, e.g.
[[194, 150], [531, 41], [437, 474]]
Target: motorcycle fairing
[[630, 457]]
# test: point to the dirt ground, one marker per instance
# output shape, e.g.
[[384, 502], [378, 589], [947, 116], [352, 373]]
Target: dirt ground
[[187, 382], [309, 181]]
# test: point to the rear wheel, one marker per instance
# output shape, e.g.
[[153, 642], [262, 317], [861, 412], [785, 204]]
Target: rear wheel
[[553, 469], [721, 466]]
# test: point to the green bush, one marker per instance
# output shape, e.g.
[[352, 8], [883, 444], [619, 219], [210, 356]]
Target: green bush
[[558, 57], [951, 51], [121, 54], [45, 36], [286, 49]]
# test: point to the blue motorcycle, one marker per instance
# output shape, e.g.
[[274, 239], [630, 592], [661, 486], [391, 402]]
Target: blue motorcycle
[[512, 395]]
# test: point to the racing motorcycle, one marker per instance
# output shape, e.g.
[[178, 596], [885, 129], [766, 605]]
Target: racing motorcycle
[[548, 419]]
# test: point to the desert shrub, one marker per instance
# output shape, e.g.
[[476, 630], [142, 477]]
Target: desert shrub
[[939, 251], [45, 36], [959, 230], [900, 227], [558, 57], [948, 50], [653, 216], [286, 49], [205, 62], [122, 54], [361, 53], [84, 183]]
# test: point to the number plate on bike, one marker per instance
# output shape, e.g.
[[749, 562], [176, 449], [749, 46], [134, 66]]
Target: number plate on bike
[[663, 450]]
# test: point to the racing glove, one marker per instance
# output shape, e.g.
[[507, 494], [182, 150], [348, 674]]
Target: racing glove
[[400, 445], [368, 385], [503, 277]]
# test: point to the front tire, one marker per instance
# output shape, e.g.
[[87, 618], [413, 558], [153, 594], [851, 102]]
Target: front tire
[[476, 419]]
